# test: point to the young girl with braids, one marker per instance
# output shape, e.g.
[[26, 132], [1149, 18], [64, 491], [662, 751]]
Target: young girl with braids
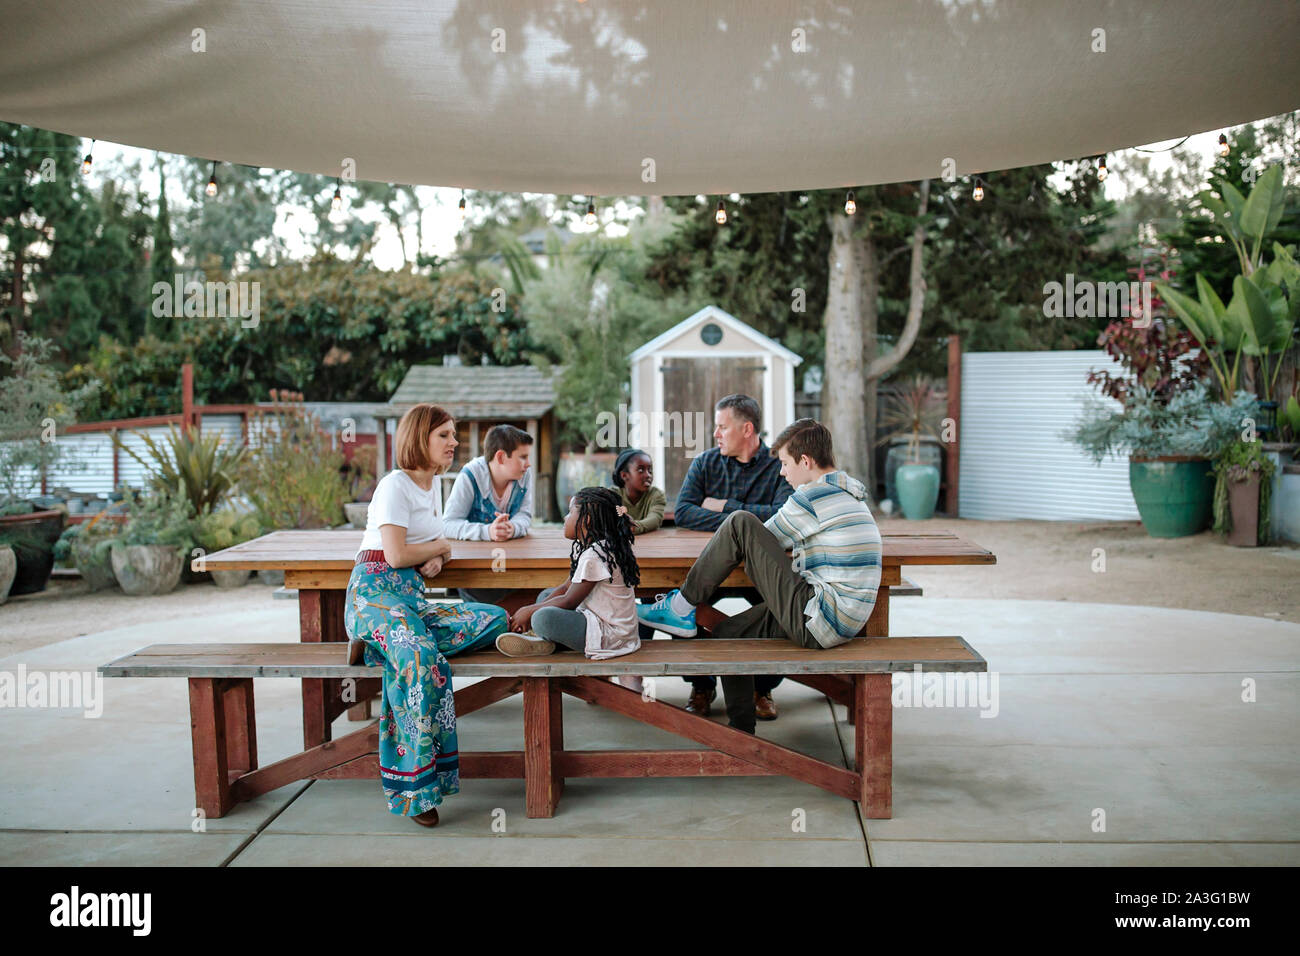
[[594, 611]]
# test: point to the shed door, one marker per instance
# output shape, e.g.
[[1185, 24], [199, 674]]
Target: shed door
[[691, 386]]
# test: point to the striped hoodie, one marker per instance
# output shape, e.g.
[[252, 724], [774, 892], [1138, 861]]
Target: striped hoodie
[[836, 548]]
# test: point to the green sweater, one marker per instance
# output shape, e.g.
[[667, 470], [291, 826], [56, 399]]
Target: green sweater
[[647, 513]]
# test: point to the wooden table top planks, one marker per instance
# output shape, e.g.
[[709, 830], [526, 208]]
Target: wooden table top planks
[[546, 547]]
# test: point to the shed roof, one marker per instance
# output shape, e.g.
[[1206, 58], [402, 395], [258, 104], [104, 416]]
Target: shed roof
[[479, 391], [711, 313]]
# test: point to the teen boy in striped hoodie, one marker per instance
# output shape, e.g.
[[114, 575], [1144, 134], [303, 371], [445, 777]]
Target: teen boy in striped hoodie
[[823, 596]]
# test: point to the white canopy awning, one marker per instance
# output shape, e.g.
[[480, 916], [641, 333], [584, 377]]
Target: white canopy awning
[[711, 96]]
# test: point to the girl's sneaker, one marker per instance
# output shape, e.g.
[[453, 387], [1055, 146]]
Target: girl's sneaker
[[520, 645]]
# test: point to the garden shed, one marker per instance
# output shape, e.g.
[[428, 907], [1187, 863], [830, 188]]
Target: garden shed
[[479, 397], [686, 370]]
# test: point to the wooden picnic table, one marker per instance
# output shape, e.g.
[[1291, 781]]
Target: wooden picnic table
[[319, 563]]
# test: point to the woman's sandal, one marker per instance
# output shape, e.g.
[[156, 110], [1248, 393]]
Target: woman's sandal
[[429, 818]]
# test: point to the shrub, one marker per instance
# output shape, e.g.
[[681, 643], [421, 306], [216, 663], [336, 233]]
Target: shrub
[[293, 476]]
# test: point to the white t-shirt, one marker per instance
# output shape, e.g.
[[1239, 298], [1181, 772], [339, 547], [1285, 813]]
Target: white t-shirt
[[610, 608], [399, 500]]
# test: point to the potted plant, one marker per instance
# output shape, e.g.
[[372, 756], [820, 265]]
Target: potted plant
[[218, 530], [359, 475], [33, 407], [1170, 446], [1243, 508], [293, 475], [8, 568], [915, 414], [91, 551], [148, 555]]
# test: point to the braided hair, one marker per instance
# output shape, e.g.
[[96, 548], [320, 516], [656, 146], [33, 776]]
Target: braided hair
[[600, 526]]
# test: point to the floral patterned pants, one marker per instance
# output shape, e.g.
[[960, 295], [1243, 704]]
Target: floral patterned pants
[[419, 760]]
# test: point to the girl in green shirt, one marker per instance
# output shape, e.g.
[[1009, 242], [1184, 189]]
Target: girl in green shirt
[[642, 503]]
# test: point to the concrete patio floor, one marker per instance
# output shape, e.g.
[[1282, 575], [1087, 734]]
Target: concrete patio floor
[[1133, 711]]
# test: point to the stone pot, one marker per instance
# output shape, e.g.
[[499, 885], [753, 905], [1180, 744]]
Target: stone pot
[[34, 564], [96, 572], [1174, 494], [356, 512], [1243, 505], [147, 568], [8, 568], [273, 578], [230, 579]]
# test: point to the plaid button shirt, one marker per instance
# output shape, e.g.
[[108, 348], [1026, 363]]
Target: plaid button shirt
[[755, 486]]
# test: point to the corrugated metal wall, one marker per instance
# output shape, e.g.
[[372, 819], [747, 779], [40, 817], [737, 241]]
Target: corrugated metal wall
[[1014, 462]]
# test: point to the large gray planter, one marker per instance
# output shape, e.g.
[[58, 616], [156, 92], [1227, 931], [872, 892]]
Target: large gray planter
[[356, 512], [273, 578], [230, 579], [98, 574], [147, 568], [8, 568]]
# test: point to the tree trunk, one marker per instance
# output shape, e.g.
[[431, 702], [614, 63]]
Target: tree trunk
[[916, 302], [842, 406], [870, 328]]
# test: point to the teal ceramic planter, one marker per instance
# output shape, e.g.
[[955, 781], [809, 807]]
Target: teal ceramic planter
[[918, 490], [1175, 496]]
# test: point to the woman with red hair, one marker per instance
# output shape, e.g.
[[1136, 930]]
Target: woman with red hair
[[411, 637]]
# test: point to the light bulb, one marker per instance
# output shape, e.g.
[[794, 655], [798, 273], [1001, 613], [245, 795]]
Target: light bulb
[[211, 189], [978, 194], [590, 218], [337, 203], [1223, 144], [721, 214], [85, 165], [462, 207], [1101, 168], [850, 204]]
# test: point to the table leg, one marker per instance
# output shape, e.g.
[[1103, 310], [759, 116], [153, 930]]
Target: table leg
[[877, 624], [543, 739], [320, 618]]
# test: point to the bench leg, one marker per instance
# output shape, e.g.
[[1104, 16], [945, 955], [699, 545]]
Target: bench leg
[[211, 747], [543, 739], [877, 625], [241, 725], [873, 739]]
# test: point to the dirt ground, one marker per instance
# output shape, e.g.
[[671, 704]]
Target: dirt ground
[[1036, 560]]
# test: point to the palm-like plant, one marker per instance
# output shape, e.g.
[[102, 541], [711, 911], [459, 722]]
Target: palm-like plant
[[201, 468], [917, 410], [1260, 318]]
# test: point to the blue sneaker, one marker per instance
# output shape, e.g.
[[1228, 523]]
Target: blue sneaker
[[660, 616]]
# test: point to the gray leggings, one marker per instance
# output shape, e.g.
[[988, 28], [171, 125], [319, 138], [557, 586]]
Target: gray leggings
[[566, 628]]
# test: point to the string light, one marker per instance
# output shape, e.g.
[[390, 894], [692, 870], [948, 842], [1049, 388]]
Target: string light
[[850, 204], [1223, 144], [462, 205], [721, 215], [590, 218], [978, 194], [1101, 168], [85, 163], [211, 189], [337, 203]]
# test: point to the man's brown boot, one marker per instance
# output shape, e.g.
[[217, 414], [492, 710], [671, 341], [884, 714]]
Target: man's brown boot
[[700, 701], [764, 707]]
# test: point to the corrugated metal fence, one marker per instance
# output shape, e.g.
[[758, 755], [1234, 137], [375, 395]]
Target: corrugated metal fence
[[1014, 462]]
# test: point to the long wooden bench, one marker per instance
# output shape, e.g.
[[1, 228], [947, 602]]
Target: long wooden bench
[[856, 674]]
